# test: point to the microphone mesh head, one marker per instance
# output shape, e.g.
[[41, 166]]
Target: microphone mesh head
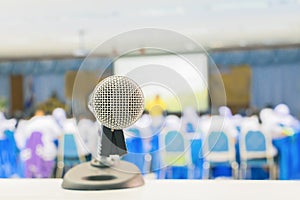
[[117, 102]]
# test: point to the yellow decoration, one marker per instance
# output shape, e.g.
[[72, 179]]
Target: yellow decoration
[[156, 107]]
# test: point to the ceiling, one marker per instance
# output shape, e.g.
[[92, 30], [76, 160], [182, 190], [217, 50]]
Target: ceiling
[[32, 28]]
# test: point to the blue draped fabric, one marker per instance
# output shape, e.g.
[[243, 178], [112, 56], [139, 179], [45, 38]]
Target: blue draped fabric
[[263, 57], [47, 75], [276, 84], [275, 74], [54, 66], [5, 87], [44, 85]]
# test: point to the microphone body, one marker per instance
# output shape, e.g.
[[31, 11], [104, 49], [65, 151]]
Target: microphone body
[[112, 142], [117, 102]]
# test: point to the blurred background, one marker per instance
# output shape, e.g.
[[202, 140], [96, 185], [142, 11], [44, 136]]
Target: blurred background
[[254, 44]]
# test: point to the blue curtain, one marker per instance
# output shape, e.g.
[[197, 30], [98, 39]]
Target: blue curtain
[[276, 84], [45, 85], [47, 76], [5, 86], [56, 66], [275, 74]]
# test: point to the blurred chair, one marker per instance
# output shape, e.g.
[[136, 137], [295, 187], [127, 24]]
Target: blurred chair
[[197, 157], [133, 131], [136, 153], [13, 156], [68, 154], [172, 122], [9, 154], [219, 150], [175, 156], [155, 154], [256, 150], [190, 128], [34, 164], [190, 120], [88, 130]]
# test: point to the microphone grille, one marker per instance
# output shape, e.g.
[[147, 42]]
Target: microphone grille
[[117, 102]]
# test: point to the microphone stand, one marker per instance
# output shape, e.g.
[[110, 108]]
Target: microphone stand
[[113, 142], [103, 173]]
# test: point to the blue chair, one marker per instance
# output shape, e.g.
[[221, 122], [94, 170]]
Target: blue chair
[[135, 153], [197, 157], [176, 156], [219, 151], [190, 128], [8, 157], [256, 150], [284, 147], [155, 155], [295, 149], [12, 153], [143, 152], [135, 132]]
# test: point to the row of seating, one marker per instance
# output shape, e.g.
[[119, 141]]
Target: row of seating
[[244, 144], [30, 162], [173, 149], [43, 146], [255, 150]]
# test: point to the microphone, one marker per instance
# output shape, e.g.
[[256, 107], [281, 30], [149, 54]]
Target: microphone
[[116, 102]]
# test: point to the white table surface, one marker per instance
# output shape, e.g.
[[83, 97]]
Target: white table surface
[[155, 190]]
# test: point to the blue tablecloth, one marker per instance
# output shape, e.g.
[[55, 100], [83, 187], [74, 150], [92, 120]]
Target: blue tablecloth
[[288, 156]]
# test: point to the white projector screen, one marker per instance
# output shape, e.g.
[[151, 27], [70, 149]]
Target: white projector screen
[[181, 81]]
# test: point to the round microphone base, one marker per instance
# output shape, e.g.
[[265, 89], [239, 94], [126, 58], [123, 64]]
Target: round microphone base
[[89, 177]]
